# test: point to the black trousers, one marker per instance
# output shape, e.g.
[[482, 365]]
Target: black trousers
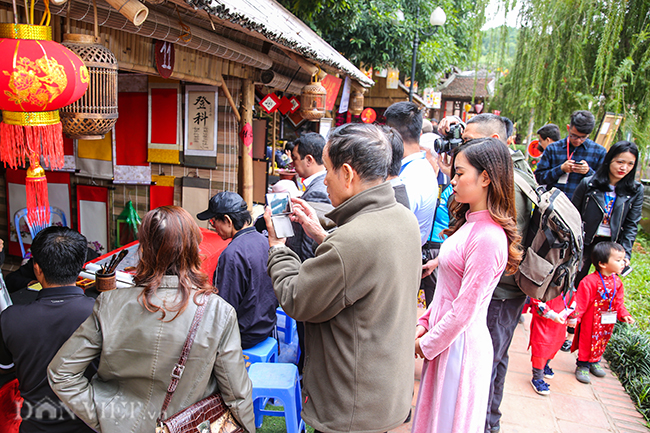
[[502, 319]]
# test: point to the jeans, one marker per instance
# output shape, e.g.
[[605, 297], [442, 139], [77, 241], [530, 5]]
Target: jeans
[[503, 316]]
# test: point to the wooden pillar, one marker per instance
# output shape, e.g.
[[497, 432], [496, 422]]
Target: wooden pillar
[[246, 126]]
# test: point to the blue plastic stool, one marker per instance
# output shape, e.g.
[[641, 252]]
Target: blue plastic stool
[[279, 381], [266, 351], [285, 325]]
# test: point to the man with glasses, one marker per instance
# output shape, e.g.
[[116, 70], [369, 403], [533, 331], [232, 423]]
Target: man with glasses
[[241, 272], [566, 162]]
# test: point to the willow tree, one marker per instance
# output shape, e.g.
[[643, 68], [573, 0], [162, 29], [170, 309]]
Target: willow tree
[[581, 54]]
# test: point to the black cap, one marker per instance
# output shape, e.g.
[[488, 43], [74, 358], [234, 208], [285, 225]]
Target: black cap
[[223, 203]]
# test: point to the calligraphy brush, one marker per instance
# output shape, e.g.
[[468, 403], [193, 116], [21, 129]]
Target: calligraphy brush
[[120, 257], [108, 265]]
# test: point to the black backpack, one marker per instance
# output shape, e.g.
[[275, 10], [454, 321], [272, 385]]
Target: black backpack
[[552, 244]]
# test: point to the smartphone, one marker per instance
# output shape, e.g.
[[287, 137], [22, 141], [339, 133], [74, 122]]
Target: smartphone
[[281, 208], [626, 271], [279, 202]]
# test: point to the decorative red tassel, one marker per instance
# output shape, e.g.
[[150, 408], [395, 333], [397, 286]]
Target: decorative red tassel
[[18, 141], [38, 205]]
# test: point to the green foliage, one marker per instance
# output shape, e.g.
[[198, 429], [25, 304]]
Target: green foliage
[[628, 352], [369, 32], [581, 54], [637, 284], [498, 48]]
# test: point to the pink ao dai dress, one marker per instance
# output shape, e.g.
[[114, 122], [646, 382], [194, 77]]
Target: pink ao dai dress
[[457, 370]]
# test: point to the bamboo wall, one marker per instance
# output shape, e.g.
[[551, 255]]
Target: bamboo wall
[[136, 53]]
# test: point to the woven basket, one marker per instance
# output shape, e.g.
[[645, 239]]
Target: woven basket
[[95, 113]]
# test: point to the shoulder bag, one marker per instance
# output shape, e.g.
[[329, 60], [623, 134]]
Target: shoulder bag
[[210, 415]]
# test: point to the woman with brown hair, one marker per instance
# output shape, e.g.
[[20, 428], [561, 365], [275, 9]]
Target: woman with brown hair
[[138, 333], [452, 335]]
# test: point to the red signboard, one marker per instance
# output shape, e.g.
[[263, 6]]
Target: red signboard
[[165, 57], [332, 85]]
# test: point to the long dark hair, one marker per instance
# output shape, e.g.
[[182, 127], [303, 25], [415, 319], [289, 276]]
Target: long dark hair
[[627, 185], [169, 245], [492, 156]]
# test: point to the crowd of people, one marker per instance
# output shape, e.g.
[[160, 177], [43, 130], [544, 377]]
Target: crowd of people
[[382, 217]]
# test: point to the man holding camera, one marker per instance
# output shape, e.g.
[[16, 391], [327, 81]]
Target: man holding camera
[[356, 295], [566, 162]]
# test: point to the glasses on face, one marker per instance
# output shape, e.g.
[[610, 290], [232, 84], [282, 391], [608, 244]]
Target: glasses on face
[[574, 137], [212, 223]]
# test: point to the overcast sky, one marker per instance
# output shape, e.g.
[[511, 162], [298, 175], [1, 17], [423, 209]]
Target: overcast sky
[[495, 15]]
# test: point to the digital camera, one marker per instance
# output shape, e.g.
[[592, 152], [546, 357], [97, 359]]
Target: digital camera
[[452, 140]]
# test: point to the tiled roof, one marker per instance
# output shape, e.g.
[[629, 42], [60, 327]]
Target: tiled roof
[[458, 86], [278, 25]]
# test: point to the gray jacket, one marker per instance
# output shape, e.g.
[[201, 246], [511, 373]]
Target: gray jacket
[[137, 355], [357, 299]]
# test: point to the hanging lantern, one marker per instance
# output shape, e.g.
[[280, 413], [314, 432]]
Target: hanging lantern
[[37, 77], [95, 114], [312, 100], [356, 103]]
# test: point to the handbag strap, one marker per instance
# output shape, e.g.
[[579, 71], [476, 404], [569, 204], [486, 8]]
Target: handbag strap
[[177, 372]]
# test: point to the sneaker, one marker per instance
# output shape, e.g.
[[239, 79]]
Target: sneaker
[[582, 374], [548, 372], [540, 386], [566, 346], [495, 428], [597, 370]]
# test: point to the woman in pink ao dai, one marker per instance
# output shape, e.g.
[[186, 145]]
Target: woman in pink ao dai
[[452, 335]]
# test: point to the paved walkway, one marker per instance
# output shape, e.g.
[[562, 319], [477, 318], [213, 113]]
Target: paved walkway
[[572, 406]]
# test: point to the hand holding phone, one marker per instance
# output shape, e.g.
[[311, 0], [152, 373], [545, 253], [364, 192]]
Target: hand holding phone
[[626, 271], [280, 205]]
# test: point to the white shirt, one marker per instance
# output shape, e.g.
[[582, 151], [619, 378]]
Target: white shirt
[[422, 190], [306, 181]]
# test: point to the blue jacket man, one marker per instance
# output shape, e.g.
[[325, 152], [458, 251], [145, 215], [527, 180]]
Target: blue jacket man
[[566, 162], [241, 272]]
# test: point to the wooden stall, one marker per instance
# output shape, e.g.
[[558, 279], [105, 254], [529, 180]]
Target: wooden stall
[[190, 82]]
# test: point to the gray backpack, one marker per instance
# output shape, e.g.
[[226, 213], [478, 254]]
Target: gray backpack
[[552, 244]]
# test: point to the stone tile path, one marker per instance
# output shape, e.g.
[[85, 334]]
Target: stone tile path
[[572, 407]]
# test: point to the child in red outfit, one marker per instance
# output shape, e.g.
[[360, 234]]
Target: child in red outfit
[[600, 304], [547, 331]]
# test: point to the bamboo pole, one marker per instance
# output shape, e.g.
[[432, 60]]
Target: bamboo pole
[[133, 10], [248, 99], [235, 111]]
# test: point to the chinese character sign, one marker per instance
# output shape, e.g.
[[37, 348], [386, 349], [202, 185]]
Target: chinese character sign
[[201, 120]]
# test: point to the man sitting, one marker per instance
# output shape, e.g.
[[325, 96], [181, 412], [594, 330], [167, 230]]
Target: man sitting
[[33, 333], [241, 272]]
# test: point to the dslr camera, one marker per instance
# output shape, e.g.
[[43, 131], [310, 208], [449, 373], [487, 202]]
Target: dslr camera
[[452, 140]]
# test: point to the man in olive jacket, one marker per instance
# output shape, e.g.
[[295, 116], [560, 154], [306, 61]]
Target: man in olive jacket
[[356, 295]]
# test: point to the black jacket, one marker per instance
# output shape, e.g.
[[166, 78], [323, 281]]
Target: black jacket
[[625, 218]]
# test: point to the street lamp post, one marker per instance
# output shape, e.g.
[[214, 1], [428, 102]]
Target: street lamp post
[[437, 19]]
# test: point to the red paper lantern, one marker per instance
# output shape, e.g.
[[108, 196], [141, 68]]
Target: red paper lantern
[[533, 150], [37, 77]]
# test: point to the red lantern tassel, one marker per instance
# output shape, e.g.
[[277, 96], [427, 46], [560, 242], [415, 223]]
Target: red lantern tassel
[[18, 141], [38, 205]]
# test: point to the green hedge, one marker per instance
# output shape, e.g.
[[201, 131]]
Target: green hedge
[[628, 352]]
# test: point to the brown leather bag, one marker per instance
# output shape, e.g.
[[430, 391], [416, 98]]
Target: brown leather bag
[[209, 415]]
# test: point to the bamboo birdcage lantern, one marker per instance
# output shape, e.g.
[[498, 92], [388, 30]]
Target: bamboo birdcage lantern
[[356, 103], [312, 100], [95, 113]]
